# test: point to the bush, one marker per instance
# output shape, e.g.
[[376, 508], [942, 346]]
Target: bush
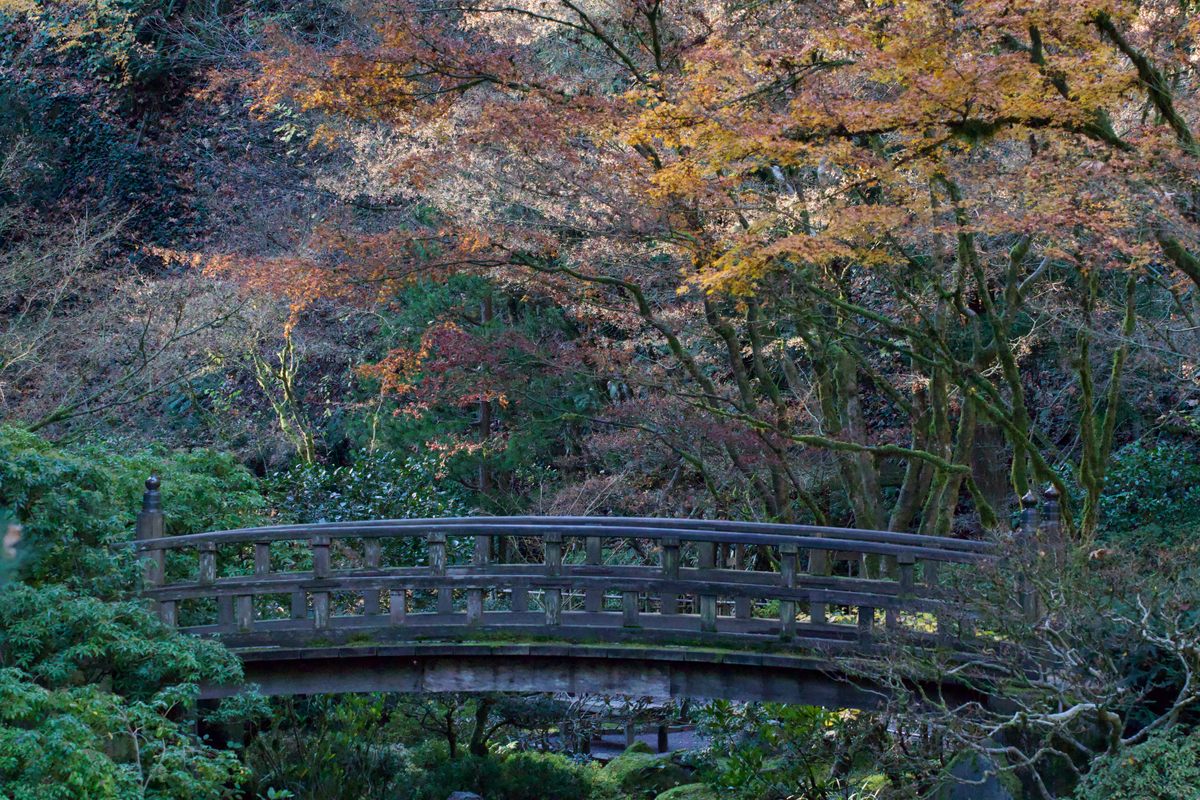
[[546, 776], [1164, 767], [464, 774], [520, 776], [643, 775], [1152, 492], [75, 501], [379, 485]]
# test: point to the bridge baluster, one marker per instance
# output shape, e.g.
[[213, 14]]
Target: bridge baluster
[[240, 610], [262, 558], [397, 606], [372, 557], [789, 555], [475, 596], [320, 600], [670, 566], [818, 564], [245, 612], [519, 595], [225, 616], [629, 609], [436, 542], [932, 579], [742, 603], [905, 567], [554, 560], [207, 575], [208, 562], [708, 602], [866, 624], [299, 604], [593, 598]]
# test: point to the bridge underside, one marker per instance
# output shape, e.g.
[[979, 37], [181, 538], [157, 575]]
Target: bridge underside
[[658, 672]]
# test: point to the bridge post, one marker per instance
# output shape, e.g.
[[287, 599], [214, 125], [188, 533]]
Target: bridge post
[[669, 601], [741, 604], [553, 595], [708, 602], [593, 596], [1051, 528], [436, 542], [149, 526], [789, 556], [1027, 546], [479, 558], [372, 558], [320, 600]]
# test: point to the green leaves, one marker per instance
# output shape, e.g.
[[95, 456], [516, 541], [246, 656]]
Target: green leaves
[[90, 695], [61, 639], [86, 742], [75, 501]]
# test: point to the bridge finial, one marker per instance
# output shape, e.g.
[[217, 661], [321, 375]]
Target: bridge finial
[[1027, 523], [151, 499], [1052, 511]]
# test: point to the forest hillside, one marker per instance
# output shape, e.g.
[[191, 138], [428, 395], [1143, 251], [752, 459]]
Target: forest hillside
[[878, 265]]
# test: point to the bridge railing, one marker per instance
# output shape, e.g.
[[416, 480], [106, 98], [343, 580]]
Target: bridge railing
[[576, 578]]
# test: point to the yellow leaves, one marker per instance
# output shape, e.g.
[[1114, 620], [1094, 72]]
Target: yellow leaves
[[854, 234], [15, 7], [397, 372]]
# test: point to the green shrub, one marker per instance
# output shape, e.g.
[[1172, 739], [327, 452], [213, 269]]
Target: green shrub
[[642, 775], [75, 501], [463, 774], [1151, 492], [1164, 767], [546, 776], [85, 685], [519, 776], [379, 485]]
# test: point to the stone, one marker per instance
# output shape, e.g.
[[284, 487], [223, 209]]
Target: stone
[[974, 776], [644, 776], [689, 791]]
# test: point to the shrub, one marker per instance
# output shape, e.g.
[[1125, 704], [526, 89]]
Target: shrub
[[1152, 491], [464, 774], [520, 776], [1164, 767], [74, 501], [546, 776], [379, 485]]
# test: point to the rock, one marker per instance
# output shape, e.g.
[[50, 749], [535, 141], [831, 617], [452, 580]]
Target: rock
[[464, 796], [974, 776], [689, 791], [642, 775]]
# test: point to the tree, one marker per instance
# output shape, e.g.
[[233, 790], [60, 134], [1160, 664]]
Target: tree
[[833, 235]]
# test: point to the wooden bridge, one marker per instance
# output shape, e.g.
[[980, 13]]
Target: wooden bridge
[[655, 607]]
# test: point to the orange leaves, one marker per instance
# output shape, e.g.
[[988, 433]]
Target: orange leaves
[[397, 372]]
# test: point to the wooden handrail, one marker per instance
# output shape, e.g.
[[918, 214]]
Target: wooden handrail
[[501, 526], [705, 580]]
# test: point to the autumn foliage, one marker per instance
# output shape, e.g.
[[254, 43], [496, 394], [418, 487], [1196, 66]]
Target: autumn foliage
[[835, 232]]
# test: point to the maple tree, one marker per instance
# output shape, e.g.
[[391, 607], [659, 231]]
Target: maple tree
[[789, 222]]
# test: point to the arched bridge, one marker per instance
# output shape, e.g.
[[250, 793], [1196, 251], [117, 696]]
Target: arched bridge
[[657, 607]]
